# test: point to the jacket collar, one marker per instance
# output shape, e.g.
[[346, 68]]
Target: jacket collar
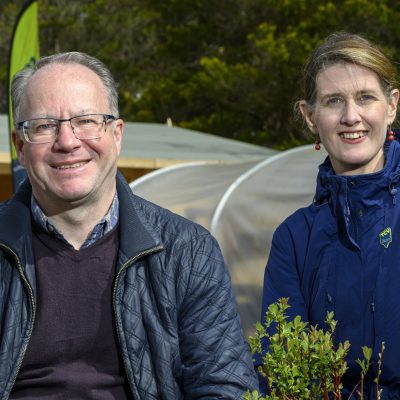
[[137, 234]]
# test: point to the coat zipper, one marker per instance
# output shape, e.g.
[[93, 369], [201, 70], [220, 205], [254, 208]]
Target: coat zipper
[[123, 268], [28, 287]]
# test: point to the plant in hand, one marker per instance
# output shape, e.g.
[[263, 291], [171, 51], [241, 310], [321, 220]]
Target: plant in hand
[[302, 361]]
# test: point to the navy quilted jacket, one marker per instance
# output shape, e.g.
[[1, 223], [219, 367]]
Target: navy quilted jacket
[[177, 323], [342, 254]]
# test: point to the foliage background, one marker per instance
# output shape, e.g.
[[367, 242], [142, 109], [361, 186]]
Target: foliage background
[[227, 67]]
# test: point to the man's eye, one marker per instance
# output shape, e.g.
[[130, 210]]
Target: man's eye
[[86, 121], [45, 127]]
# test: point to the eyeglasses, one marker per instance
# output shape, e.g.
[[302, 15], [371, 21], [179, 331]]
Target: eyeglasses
[[84, 127]]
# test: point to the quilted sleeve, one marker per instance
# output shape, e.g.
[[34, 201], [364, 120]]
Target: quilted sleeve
[[215, 356]]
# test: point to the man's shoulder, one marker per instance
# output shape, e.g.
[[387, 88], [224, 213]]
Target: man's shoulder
[[165, 220], [4, 208], [14, 221], [10, 206], [179, 237], [3, 205], [141, 218]]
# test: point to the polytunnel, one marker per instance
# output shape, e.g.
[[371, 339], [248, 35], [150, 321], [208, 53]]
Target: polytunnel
[[241, 204]]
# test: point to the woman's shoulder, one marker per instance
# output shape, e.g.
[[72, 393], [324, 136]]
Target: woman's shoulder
[[302, 220], [307, 213]]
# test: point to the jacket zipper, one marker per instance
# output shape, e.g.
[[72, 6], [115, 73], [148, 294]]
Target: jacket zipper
[[123, 268], [31, 297]]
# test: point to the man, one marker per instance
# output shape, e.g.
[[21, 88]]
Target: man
[[103, 295]]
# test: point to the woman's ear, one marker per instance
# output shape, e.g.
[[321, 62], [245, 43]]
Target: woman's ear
[[393, 100], [308, 116]]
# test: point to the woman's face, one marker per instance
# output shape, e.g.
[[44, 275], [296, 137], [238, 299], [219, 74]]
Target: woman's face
[[351, 116]]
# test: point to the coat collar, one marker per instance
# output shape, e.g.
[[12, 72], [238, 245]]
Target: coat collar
[[137, 233]]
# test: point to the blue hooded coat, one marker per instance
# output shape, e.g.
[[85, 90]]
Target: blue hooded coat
[[342, 254]]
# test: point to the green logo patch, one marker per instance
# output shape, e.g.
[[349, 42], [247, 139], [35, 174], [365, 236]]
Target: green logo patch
[[385, 237]]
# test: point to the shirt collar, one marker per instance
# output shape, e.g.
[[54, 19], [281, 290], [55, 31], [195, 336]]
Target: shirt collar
[[105, 225]]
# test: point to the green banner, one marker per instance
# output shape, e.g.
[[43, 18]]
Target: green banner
[[24, 50]]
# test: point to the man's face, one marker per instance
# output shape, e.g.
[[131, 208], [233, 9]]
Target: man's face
[[69, 172]]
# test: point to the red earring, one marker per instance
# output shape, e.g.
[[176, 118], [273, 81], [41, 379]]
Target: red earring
[[317, 145], [390, 135]]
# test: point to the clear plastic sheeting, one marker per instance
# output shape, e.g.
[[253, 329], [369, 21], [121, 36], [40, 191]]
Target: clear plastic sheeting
[[251, 210], [192, 190], [241, 204]]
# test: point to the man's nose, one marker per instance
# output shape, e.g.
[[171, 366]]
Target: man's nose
[[66, 138]]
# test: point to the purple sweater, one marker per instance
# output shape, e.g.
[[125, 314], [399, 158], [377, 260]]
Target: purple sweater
[[73, 352]]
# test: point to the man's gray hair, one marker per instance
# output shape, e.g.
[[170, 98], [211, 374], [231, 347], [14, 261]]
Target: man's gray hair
[[22, 78]]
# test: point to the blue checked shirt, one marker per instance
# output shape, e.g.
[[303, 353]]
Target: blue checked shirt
[[106, 224]]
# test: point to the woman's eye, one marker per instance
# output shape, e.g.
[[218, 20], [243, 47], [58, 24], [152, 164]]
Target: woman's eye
[[366, 98]]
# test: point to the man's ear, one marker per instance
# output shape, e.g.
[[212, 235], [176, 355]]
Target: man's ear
[[19, 146], [118, 132], [308, 115]]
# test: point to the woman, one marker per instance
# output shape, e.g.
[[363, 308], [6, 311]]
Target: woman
[[342, 253]]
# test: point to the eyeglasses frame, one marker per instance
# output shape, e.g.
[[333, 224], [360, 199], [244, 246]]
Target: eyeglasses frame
[[21, 126]]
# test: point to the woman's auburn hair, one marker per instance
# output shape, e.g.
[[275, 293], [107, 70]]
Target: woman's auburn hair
[[347, 48]]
